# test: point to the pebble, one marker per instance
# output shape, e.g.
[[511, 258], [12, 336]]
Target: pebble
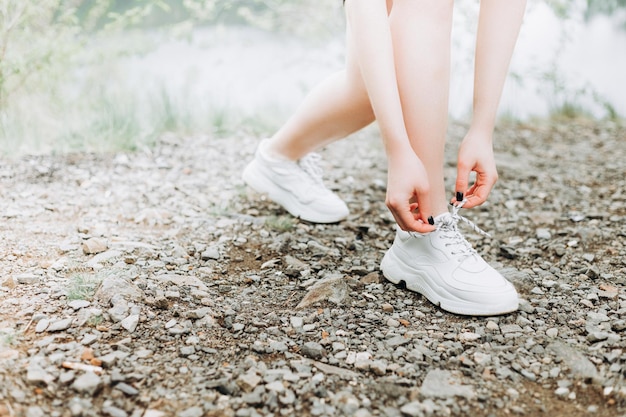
[[130, 323], [313, 350], [444, 384], [211, 253], [297, 322], [126, 389], [112, 411], [27, 279], [94, 245], [333, 289], [59, 325], [42, 325], [552, 332], [87, 383], [78, 304]]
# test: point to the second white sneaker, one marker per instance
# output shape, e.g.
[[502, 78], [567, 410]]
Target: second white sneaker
[[297, 186], [443, 267]]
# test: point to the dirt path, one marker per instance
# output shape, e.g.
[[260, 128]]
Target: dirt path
[[180, 288]]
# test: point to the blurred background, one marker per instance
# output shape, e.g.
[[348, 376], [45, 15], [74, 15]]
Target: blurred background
[[107, 75]]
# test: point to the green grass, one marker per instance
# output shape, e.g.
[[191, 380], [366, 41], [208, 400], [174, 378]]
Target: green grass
[[95, 321], [6, 339], [280, 223], [83, 286]]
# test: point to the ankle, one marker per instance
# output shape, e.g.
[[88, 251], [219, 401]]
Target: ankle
[[276, 153]]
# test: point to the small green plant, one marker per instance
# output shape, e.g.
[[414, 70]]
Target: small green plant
[[95, 321], [280, 223], [6, 339], [83, 286]]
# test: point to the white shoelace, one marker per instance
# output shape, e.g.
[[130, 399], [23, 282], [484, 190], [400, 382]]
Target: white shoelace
[[456, 216], [311, 165], [449, 230]]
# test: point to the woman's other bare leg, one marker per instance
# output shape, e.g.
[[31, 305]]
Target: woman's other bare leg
[[334, 109]]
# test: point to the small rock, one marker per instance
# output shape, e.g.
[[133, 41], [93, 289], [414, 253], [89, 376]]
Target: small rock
[[543, 234], [89, 339], [397, 341], [192, 412], [9, 283], [117, 286], [112, 411], [362, 360], [296, 322], [313, 350], [561, 392], [60, 325], [387, 308], [42, 325], [333, 289], [211, 253], [27, 279], [94, 245], [78, 304], [371, 278], [198, 313], [130, 323], [276, 386], [552, 332], [88, 383], [187, 350], [35, 374], [34, 411], [393, 323], [493, 326], [248, 381], [444, 384], [127, 389], [378, 367], [467, 337], [412, 409]]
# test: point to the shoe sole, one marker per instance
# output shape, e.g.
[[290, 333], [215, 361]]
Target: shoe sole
[[257, 180], [395, 271]]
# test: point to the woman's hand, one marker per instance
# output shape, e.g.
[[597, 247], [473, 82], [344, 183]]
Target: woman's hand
[[475, 155], [408, 190]]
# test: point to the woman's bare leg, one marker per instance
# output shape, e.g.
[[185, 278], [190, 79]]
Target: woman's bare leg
[[421, 31], [334, 109]]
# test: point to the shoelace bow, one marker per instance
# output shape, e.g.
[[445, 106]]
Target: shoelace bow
[[311, 165]]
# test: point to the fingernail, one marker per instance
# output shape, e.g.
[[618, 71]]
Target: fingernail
[[459, 196], [431, 221]]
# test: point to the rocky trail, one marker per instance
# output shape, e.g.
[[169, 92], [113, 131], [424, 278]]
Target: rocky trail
[[155, 284]]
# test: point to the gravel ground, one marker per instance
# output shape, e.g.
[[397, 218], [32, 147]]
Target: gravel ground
[[155, 284]]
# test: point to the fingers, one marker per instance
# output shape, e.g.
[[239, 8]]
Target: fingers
[[409, 221], [462, 181], [478, 192]]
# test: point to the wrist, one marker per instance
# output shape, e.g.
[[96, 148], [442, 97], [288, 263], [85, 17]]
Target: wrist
[[480, 133]]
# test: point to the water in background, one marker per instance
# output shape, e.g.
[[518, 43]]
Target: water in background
[[253, 71]]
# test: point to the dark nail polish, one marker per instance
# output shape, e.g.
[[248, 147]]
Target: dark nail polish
[[431, 221], [459, 196]]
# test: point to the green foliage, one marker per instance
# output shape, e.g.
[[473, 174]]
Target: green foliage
[[280, 223], [60, 85], [606, 7], [83, 286]]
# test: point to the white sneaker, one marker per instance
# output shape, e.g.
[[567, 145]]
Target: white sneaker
[[297, 186], [444, 267]]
